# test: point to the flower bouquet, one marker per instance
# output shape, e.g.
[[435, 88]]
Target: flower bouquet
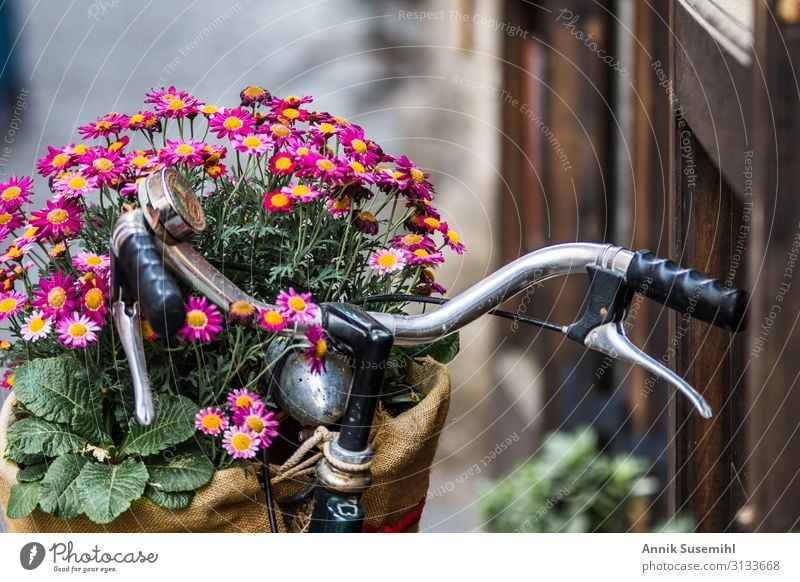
[[301, 207]]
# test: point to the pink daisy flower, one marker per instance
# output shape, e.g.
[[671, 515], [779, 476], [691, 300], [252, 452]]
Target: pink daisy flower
[[18, 249], [357, 147], [318, 166], [251, 144], [203, 320], [315, 353], [290, 101], [271, 320], [453, 241], [56, 295], [254, 95], [15, 191], [301, 192], [55, 161], [59, 218], [230, 122], [277, 201], [281, 163], [178, 151], [94, 298], [103, 164], [241, 399], [72, 184], [10, 220], [88, 261], [339, 206], [259, 420], [141, 162], [241, 443], [413, 241], [104, 126], [413, 180], [172, 103], [144, 120], [211, 421], [36, 327], [77, 331], [422, 256], [10, 303], [297, 306], [388, 260]]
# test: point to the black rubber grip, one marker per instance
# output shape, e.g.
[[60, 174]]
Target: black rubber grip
[[159, 298], [688, 291]]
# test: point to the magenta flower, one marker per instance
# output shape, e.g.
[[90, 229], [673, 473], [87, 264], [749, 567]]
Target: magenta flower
[[10, 220], [339, 206], [60, 218], [277, 201], [231, 122], [56, 295], [143, 120], [55, 161], [242, 398], [10, 303], [297, 306], [453, 241], [315, 353], [412, 180], [77, 331], [251, 143], [271, 320], [103, 126], [94, 298], [178, 151], [172, 103], [388, 260], [241, 443], [15, 191], [211, 421], [422, 256], [358, 147], [301, 192], [203, 320], [103, 164], [254, 95], [318, 166], [73, 184], [259, 420], [281, 163]]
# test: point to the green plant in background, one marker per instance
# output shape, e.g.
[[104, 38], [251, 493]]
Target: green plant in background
[[568, 487]]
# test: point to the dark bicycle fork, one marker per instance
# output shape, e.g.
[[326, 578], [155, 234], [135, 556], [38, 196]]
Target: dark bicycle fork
[[342, 479]]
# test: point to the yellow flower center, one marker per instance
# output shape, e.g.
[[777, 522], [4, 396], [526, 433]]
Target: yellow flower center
[[387, 260], [320, 349], [197, 319], [341, 203], [432, 222], [417, 175], [297, 303], [77, 182], [302, 151], [241, 442], [326, 165], [244, 401], [80, 149], [272, 317], [209, 109], [283, 163], [301, 190], [412, 239], [93, 260], [365, 215], [211, 421], [279, 200], [136, 118], [327, 128], [421, 253], [77, 329], [8, 304], [102, 164], [103, 124], [255, 423], [60, 160], [10, 379], [36, 324], [242, 308], [31, 232], [359, 145], [280, 130], [58, 250], [184, 149], [341, 120], [357, 167], [139, 161], [11, 193], [254, 91], [94, 299], [176, 104], [5, 345], [5, 218], [147, 329], [291, 113], [57, 297], [57, 216], [232, 122], [453, 236], [252, 141]]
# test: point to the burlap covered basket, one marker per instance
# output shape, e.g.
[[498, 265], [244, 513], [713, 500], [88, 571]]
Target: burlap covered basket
[[404, 447]]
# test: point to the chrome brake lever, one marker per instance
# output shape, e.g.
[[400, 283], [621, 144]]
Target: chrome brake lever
[[610, 339], [602, 329]]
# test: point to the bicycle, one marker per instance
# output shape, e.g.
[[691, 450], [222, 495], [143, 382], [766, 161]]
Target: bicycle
[[150, 243]]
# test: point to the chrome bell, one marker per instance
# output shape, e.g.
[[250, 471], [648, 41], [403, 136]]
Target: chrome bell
[[314, 399]]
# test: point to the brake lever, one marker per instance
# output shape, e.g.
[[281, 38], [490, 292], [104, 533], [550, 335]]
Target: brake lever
[[601, 328]]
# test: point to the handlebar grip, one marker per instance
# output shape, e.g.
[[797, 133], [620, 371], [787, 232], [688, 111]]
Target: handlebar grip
[[159, 298], [688, 291]]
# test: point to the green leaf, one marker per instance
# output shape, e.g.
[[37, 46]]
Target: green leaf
[[23, 499], [443, 351], [186, 469], [174, 424], [22, 458], [89, 419], [173, 501], [108, 490], [32, 473], [33, 436], [48, 388], [59, 495]]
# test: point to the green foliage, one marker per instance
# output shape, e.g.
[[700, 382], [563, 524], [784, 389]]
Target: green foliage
[[569, 486], [107, 490], [59, 493], [185, 469], [23, 499], [173, 424], [171, 501]]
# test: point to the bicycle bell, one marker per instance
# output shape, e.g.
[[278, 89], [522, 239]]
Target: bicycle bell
[[312, 399], [171, 206]]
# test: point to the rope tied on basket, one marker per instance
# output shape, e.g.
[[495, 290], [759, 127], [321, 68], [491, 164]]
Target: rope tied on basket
[[295, 466]]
